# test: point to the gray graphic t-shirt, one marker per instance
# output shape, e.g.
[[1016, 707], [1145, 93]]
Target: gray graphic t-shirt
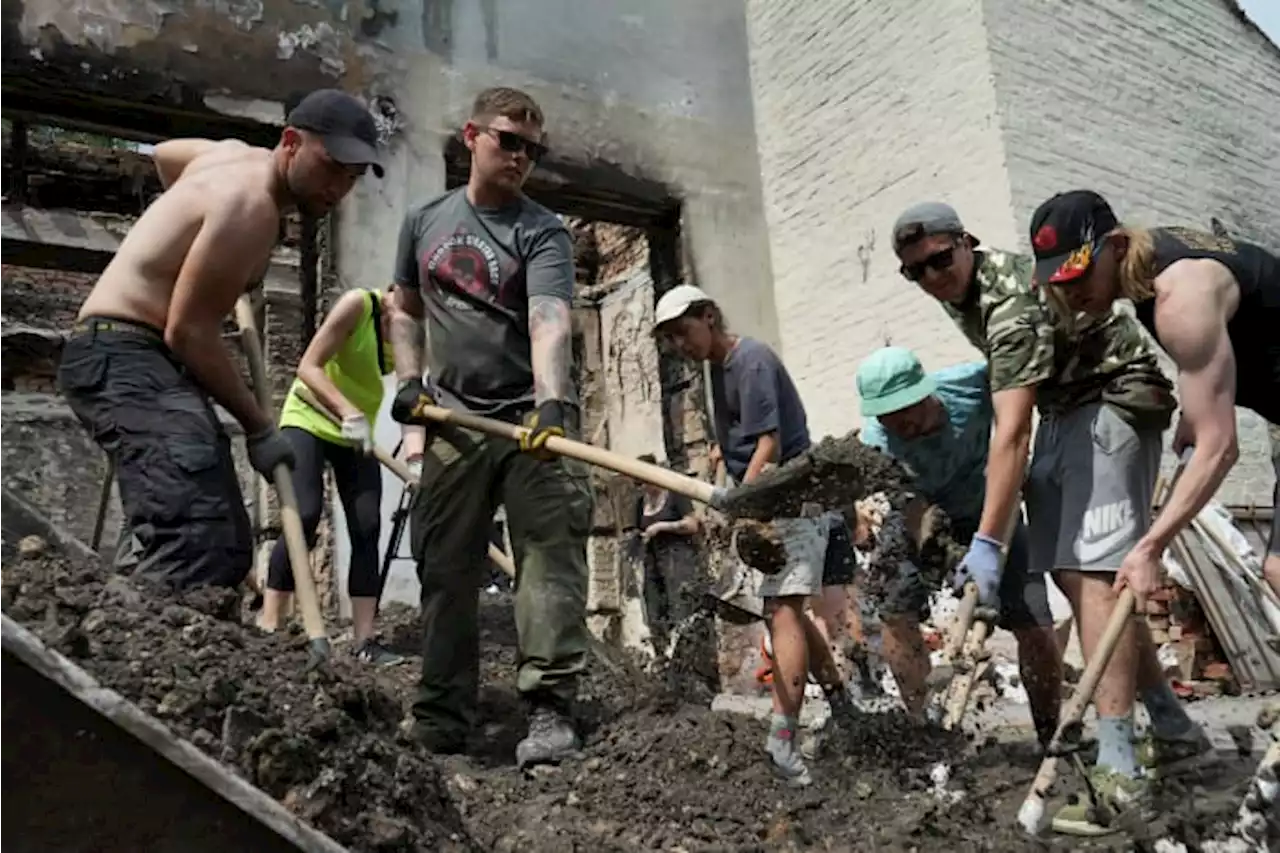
[[476, 269]]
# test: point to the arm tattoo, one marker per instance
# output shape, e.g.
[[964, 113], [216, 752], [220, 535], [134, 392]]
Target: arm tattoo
[[551, 337], [408, 342]]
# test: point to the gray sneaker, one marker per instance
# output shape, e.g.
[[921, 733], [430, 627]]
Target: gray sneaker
[[373, 652], [788, 761], [551, 738]]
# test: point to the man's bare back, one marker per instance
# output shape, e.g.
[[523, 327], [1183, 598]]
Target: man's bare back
[[139, 282]]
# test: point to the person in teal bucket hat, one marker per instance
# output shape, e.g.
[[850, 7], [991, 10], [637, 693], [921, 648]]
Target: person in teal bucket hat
[[939, 425]]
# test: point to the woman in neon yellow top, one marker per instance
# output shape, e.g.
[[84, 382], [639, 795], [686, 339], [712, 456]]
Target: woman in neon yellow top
[[343, 366]]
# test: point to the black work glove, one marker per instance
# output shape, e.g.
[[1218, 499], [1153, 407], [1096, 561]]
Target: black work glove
[[547, 421], [411, 396], [268, 449]]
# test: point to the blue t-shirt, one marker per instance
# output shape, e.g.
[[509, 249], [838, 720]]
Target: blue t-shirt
[[754, 395], [950, 466]]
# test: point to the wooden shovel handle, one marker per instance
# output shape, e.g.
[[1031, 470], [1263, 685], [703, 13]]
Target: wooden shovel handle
[[645, 472], [290, 521], [400, 469]]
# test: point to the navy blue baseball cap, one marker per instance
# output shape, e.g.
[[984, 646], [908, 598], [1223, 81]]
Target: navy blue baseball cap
[[345, 126]]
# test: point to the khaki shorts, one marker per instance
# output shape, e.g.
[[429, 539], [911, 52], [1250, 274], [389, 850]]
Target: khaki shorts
[[805, 540]]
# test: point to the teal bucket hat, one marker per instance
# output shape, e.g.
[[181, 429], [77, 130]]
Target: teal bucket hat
[[891, 379]]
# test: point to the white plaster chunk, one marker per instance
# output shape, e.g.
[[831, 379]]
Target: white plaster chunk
[[107, 25], [322, 40], [632, 387]]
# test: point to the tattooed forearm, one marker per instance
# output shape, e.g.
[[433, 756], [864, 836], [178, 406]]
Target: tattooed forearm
[[408, 337], [551, 335]]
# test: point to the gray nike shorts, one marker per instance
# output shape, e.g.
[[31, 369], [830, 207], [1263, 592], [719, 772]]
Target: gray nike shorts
[[1089, 490]]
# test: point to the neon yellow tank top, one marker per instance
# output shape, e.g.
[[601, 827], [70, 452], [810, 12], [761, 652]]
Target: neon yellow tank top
[[354, 369]]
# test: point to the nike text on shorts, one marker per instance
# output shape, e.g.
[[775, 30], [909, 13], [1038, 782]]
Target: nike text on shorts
[[1089, 490]]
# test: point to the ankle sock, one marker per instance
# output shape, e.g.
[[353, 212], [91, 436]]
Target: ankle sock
[[783, 723], [1169, 719], [1115, 745]]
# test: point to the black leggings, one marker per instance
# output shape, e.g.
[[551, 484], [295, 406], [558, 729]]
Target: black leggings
[[359, 481]]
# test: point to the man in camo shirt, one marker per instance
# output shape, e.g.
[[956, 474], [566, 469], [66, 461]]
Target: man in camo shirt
[[1103, 405]]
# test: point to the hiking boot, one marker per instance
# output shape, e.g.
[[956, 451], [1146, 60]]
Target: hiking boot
[[551, 738], [788, 762], [1161, 758], [373, 652], [1121, 799]]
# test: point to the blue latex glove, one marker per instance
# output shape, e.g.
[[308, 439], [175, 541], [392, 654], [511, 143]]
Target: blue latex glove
[[982, 566]]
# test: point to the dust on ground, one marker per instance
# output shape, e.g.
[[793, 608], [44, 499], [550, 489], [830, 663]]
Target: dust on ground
[[659, 770]]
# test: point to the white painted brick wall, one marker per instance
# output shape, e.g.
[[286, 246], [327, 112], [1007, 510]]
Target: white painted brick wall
[[861, 109], [1169, 108]]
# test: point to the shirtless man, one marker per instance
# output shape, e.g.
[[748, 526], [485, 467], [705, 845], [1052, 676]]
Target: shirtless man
[[1213, 304], [146, 360]]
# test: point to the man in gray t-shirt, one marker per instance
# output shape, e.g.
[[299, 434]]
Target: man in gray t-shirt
[[489, 274]]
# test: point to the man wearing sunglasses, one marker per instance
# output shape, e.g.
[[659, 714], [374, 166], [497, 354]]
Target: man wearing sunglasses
[[1103, 404], [489, 274]]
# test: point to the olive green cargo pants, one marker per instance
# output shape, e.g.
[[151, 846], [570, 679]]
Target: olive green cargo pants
[[465, 476]]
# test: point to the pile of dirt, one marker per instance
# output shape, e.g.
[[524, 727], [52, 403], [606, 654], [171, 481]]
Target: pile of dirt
[[835, 473], [324, 743], [659, 770]]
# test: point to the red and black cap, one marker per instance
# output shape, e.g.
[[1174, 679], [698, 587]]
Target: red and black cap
[[1066, 233], [346, 127]]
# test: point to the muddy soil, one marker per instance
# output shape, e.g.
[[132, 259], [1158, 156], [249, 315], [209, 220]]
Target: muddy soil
[[659, 771], [835, 473]]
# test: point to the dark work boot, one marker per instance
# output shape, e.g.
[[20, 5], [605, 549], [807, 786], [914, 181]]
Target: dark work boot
[[551, 738], [436, 741]]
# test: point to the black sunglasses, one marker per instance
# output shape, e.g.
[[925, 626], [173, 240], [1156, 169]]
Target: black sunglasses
[[515, 143], [938, 262]]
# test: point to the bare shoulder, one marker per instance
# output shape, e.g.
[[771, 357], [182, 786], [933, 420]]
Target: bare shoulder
[[1200, 285]]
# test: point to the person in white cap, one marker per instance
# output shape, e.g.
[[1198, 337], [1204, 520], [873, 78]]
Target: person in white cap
[[760, 422]]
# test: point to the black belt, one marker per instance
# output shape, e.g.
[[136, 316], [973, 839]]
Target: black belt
[[111, 324]]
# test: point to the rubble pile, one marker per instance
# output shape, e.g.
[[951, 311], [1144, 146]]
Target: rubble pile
[[659, 770]]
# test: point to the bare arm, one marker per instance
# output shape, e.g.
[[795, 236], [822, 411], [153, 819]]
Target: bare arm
[[1191, 322], [237, 233], [768, 451], [173, 155], [335, 330], [551, 342], [1007, 458]]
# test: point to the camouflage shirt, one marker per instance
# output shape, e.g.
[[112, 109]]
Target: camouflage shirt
[[1105, 359]]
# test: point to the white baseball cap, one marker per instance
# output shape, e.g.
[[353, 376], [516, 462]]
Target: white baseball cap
[[676, 302]]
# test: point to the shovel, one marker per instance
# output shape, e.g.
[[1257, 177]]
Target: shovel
[[821, 475], [970, 659], [290, 521], [602, 652]]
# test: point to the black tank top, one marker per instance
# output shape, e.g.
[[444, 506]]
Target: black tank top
[[1254, 329]]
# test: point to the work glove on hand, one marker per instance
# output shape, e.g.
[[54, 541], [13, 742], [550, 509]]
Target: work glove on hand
[[356, 429], [415, 468], [547, 421], [410, 397], [268, 449], [982, 566]]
